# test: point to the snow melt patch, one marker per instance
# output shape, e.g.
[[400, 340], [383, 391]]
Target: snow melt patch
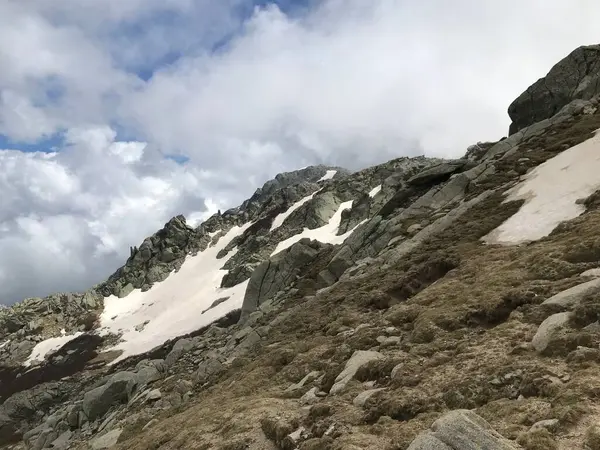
[[326, 234], [284, 215], [375, 191], [175, 306], [550, 192], [328, 175], [40, 351]]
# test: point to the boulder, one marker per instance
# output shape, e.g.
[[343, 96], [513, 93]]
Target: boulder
[[591, 273], [361, 399], [62, 441], [98, 401], [550, 330], [577, 76], [297, 387], [42, 440], [25, 405], [461, 430], [548, 424], [180, 347], [107, 440], [208, 369], [148, 372], [439, 173], [570, 298], [356, 361], [244, 344], [154, 395], [310, 397]]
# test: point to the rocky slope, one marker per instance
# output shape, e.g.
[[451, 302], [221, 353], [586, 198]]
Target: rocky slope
[[367, 310]]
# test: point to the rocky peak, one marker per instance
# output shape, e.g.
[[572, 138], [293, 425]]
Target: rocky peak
[[577, 76]]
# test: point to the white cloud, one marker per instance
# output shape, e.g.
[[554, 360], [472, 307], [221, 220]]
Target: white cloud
[[68, 218], [349, 83], [358, 82]]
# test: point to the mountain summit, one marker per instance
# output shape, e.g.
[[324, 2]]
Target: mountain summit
[[419, 304]]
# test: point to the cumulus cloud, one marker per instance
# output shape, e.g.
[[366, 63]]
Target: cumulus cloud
[[243, 93], [358, 82], [68, 218]]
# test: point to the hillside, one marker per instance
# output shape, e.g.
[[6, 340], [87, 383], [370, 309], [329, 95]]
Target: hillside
[[419, 304]]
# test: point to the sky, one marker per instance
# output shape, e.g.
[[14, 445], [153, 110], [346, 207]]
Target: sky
[[117, 115]]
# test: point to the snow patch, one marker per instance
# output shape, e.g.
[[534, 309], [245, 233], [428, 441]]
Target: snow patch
[[375, 191], [40, 351], [4, 344], [284, 215], [326, 234], [328, 175], [178, 305], [551, 192]]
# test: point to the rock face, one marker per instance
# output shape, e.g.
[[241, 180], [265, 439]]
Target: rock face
[[278, 272], [311, 174], [575, 77], [155, 258], [461, 430]]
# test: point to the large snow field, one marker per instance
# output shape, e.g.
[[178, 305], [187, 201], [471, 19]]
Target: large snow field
[[175, 306], [551, 191], [182, 303]]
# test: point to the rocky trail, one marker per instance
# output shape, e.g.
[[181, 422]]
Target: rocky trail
[[420, 304]]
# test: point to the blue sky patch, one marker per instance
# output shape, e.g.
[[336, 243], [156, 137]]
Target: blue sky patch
[[179, 159], [46, 145]]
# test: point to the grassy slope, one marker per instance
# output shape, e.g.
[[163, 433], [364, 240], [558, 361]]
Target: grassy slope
[[465, 312]]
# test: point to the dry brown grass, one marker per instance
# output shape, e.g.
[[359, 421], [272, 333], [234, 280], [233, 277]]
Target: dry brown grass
[[465, 312]]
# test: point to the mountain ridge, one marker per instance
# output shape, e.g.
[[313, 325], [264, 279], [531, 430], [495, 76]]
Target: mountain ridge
[[340, 311]]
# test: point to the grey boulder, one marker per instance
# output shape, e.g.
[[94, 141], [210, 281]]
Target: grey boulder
[[207, 369], [461, 430], [98, 401], [356, 361]]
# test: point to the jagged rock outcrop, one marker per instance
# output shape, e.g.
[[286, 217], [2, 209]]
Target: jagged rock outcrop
[[577, 76], [47, 315], [311, 174], [155, 258], [416, 203]]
